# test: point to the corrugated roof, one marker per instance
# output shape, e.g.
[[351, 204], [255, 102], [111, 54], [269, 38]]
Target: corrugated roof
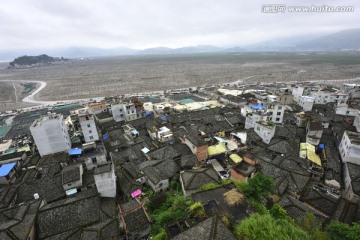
[[308, 151], [216, 149], [236, 158]]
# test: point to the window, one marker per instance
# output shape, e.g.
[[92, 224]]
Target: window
[[94, 160], [90, 131], [88, 125], [277, 119], [121, 115], [91, 137], [87, 118], [278, 113], [258, 128], [280, 107]]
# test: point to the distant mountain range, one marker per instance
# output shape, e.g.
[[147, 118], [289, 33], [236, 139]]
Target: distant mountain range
[[347, 39]]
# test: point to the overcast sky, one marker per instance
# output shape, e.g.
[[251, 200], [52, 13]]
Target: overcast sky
[[26, 24]]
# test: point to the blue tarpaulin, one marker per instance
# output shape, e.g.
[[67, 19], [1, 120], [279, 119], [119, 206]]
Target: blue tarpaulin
[[105, 137], [6, 168], [258, 106], [148, 114], [75, 151], [163, 118], [321, 145]]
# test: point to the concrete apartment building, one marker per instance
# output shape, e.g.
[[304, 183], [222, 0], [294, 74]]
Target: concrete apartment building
[[50, 134], [357, 122], [306, 103], [324, 97], [350, 147], [88, 126], [105, 180], [126, 112], [278, 114], [265, 130], [297, 92]]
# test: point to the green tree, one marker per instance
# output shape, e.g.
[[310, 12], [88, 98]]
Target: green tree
[[312, 226], [266, 227], [341, 231], [161, 235], [173, 209], [258, 187], [278, 212], [197, 210]]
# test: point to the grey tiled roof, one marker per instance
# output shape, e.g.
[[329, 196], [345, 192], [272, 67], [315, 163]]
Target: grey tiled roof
[[102, 169], [188, 161], [281, 147], [126, 184], [134, 216], [315, 126], [154, 175], [194, 179], [7, 195], [49, 189], [133, 170], [71, 174], [18, 221], [71, 213], [320, 201], [296, 208], [209, 229], [194, 139], [164, 153], [354, 172]]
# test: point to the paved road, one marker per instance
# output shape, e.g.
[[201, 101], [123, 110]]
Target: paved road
[[31, 97]]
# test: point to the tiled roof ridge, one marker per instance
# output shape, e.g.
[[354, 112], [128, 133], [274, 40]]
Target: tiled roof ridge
[[213, 230]]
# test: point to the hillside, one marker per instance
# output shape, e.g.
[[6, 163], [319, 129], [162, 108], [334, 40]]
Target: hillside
[[35, 60]]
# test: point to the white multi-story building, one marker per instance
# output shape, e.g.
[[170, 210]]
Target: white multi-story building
[[297, 92], [278, 114], [245, 110], [345, 110], [357, 122], [50, 134], [350, 147], [306, 103], [350, 154], [105, 180], [251, 119], [88, 126], [126, 112], [323, 97], [265, 130], [162, 134]]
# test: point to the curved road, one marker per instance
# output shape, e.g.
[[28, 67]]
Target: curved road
[[31, 97]]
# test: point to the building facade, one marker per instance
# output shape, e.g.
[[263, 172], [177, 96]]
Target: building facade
[[50, 134], [88, 126], [278, 114], [349, 147], [265, 130], [306, 103]]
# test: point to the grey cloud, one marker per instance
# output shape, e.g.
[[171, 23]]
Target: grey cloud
[[173, 23]]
